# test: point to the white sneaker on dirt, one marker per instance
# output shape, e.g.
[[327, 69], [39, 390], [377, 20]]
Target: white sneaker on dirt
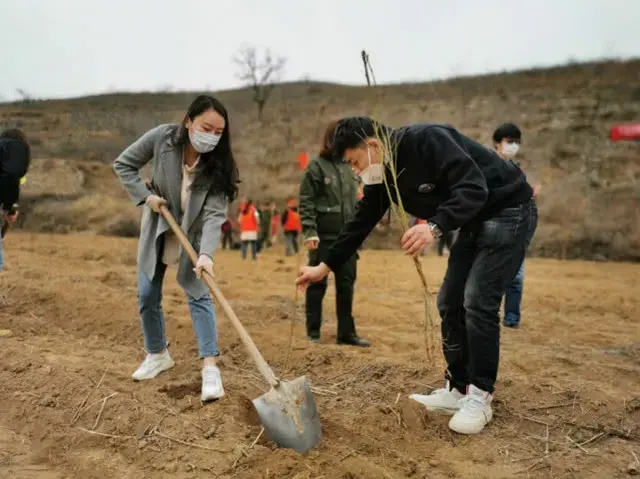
[[153, 365], [475, 412], [445, 400], [211, 384]]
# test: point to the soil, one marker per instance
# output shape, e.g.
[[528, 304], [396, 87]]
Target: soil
[[567, 402]]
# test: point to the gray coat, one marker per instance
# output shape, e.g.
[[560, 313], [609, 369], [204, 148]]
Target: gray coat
[[203, 216]]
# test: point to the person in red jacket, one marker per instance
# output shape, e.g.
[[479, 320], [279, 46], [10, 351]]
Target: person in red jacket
[[291, 226]]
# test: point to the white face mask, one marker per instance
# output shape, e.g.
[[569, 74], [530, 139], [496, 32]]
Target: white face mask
[[203, 142], [372, 174], [510, 149]]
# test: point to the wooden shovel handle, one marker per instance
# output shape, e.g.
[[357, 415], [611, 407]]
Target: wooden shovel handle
[[262, 365]]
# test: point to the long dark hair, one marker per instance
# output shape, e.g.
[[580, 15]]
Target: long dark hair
[[217, 169], [17, 134]]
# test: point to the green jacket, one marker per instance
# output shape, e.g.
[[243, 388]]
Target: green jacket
[[265, 222], [328, 197]]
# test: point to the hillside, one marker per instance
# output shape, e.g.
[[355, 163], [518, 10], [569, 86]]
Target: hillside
[[589, 203]]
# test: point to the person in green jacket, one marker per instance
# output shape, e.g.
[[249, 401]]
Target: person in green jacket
[[264, 235], [328, 197]]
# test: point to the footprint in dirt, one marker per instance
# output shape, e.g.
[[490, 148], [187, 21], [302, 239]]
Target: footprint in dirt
[[180, 389]]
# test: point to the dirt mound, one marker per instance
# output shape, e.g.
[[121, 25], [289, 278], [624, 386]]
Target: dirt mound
[[567, 401]]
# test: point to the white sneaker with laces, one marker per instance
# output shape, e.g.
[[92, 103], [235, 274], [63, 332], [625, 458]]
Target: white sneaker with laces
[[475, 412], [153, 365], [211, 384], [445, 400]]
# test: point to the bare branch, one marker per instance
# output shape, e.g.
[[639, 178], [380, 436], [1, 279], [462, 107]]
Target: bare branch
[[259, 75]]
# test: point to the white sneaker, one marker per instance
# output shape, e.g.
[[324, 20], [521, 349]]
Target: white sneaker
[[153, 365], [445, 400], [475, 412], [211, 384]]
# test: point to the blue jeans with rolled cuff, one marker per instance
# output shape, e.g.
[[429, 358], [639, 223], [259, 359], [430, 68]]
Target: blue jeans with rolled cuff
[[202, 312]]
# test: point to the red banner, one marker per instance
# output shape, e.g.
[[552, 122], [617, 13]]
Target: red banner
[[629, 131]]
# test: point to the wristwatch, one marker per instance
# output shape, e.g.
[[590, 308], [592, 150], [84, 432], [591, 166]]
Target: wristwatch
[[435, 230]]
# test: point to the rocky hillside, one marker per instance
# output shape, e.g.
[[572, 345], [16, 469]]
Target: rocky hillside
[[591, 186]]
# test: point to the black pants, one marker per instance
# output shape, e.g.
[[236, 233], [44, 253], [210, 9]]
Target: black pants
[[345, 277], [446, 239], [483, 261], [227, 240]]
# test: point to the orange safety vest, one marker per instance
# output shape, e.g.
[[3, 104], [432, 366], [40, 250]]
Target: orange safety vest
[[293, 221], [248, 220]]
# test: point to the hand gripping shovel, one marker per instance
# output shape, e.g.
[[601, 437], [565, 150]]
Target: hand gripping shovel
[[288, 410]]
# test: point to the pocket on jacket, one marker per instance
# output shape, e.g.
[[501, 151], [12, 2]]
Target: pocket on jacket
[[328, 218]]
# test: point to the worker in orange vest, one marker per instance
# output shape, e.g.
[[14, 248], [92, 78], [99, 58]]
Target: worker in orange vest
[[291, 226], [248, 220]]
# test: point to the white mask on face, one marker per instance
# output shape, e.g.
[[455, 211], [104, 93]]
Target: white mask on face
[[203, 142], [372, 174], [510, 149]]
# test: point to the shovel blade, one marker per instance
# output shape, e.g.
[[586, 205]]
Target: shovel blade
[[289, 415]]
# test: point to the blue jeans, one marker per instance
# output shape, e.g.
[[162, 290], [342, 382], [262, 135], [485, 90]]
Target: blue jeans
[[513, 295], [291, 242], [483, 260], [152, 318], [254, 249]]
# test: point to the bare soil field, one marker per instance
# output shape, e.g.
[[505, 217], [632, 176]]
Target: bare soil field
[[567, 402]]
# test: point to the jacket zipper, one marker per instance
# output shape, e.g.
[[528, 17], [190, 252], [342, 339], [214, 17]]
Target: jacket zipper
[[341, 192]]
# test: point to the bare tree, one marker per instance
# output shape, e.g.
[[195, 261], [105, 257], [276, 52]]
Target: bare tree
[[260, 75]]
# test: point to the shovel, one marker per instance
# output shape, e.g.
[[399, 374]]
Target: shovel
[[288, 410]]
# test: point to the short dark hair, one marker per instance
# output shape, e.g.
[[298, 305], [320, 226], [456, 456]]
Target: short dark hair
[[507, 130], [352, 131]]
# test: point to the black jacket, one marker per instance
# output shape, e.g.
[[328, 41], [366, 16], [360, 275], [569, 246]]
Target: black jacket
[[14, 161], [442, 175]]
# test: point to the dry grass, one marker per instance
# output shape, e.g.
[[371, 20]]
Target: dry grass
[[566, 402]]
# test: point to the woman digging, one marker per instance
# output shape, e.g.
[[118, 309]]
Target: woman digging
[[195, 177], [454, 182]]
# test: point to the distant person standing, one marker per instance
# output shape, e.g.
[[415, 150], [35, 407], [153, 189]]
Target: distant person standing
[[507, 139], [227, 234], [291, 227], [328, 196], [249, 219], [275, 223], [264, 236], [15, 157]]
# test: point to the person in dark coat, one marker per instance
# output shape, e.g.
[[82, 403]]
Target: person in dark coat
[[453, 182], [328, 197], [15, 157]]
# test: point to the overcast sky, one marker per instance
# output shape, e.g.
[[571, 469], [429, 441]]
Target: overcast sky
[[62, 48]]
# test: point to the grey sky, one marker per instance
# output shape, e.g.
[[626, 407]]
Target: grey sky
[[74, 47]]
